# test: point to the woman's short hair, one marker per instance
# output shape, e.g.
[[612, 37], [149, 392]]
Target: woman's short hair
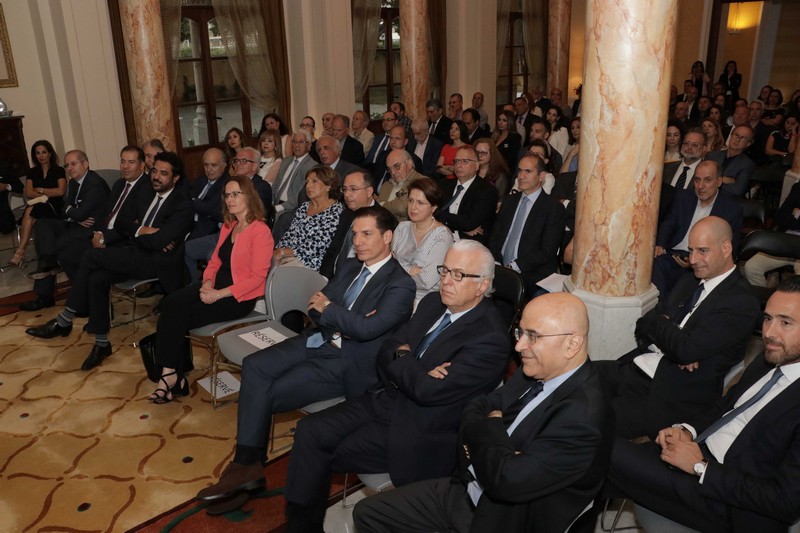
[[255, 208], [428, 187], [329, 177], [276, 137]]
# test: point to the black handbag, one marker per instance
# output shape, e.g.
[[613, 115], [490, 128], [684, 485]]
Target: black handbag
[[147, 347]]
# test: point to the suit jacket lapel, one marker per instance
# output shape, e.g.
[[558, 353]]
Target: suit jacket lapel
[[710, 301]]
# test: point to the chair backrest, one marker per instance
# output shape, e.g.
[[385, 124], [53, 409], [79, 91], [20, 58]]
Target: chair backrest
[[290, 287], [110, 175], [773, 243], [509, 291]]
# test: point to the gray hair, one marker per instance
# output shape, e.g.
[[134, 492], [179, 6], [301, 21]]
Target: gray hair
[[485, 259], [336, 147], [304, 133]]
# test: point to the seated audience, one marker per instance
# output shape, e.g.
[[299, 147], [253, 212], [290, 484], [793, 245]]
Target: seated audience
[[527, 234], [420, 243], [425, 146], [507, 139], [452, 350], [310, 125], [540, 131], [380, 145], [403, 120], [783, 142], [288, 188], [381, 171], [151, 148], [272, 121], [329, 156], [394, 194], [690, 205], [492, 169], [312, 228], [678, 175], [234, 141], [438, 123], [531, 455], [713, 135], [60, 244], [674, 138], [472, 120], [232, 282], [559, 138], [366, 301], [206, 193], [270, 145], [46, 181], [734, 467], [360, 131], [774, 113], [350, 149], [570, 163], [543, 150], [736, 167], [458, 139], [155, 229], [688, 343]]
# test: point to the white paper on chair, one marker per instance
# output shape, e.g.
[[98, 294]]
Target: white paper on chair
[[38, 200], [553, 283], [263, 338], [226, 384]]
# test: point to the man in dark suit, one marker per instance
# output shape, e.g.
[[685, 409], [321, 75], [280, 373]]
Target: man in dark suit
[[532, 454], [690, 205], [398, 140], [61, 244], [736, 167], [470, 202], [289, 187], [472, 120], [355, 313], [155, 228], [425, 146], [380, 143], [678, 175], [688, 343], [438, 123], [410, 428], [523, 119], [739, 476], [206, 193], [528, 231], [329, 156], [350, 149]]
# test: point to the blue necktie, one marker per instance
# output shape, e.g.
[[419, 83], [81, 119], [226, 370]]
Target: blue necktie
[[152, 215], [510, 250], [452, 199], [428, 339], [512, 412], [355, 288], [687, 306], [730, 415]]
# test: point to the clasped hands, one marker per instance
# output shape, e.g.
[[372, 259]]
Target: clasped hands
[[679, 449], [208, 294]]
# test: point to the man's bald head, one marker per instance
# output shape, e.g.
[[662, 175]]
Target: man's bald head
[[710, 247]]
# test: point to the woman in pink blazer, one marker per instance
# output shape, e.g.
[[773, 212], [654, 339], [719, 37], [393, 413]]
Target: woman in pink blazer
[[232, 282]]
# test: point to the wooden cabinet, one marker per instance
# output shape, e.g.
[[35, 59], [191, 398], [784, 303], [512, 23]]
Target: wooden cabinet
[[12, 144]]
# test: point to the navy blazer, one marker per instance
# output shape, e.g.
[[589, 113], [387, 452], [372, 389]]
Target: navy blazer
[[90, 198], [352, 151], [544, 474], [477, 208], [676, 224], [540, 240], [423, 428], [430, 157], [383, 305], [209, 208], [143, 187], [740, 168], [442, 131]]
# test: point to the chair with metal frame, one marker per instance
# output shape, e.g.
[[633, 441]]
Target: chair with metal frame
[[128, 289]]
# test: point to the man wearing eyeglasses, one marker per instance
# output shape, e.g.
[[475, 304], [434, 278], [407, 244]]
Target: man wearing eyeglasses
[[453, 349], [470, 202], [736, 167], [288, 191], [532, 454], [328, 150], [394, 195], [678, 175]]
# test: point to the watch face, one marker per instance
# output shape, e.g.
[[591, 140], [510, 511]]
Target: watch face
[[699, 468]]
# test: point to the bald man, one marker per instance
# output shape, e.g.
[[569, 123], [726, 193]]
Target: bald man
[[514, 474], [688, 343]]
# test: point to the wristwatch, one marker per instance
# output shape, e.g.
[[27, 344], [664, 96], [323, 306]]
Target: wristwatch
[[700, 468]]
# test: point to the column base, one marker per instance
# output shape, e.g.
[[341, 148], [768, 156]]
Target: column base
[[612, 320], [789, 179]]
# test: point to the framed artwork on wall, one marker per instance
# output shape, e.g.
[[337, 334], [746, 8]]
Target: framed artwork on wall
[[8, 75]]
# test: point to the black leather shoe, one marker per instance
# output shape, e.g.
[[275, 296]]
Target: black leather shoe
[[45, 271], [50, 330], [96, 356], [41, 302]]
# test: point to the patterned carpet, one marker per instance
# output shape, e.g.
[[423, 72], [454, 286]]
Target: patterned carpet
[[85, 451]]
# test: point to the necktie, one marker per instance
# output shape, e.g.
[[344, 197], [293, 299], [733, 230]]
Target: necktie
[[344, 252], [730, 415], [516, 408], [152, 214], [381, 148], [510, 249], [118, 205], [428, 339], [202, 195], [72, 197], [287, 179], [686, 307], [432, 128], [452, 199], [682, 178], [519, 120], [355, 288]]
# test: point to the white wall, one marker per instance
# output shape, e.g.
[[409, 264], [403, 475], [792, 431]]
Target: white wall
[[68, 88]]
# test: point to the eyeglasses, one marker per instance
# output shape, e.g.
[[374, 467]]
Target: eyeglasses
[[532, 336], [346, 190], [464, 161], [299, 142], [232, 194], [239, 161], [457, 275]]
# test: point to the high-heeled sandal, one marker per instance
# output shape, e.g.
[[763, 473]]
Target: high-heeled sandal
[[163, 394], [17, 258]]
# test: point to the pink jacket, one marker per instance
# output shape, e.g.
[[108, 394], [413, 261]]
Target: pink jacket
[[250, 260]]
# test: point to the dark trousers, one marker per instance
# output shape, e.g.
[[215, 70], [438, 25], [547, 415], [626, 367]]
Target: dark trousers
[[628, 388], [284, 377], [181, 311], [426, 506], [57, 240], [638, 472], [348, 437], [99, 269]]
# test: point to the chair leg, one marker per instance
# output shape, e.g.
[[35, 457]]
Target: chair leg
[[344, 493], [213, 381], [135, 343], [613, 527]]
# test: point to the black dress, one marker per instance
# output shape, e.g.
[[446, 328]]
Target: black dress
[[55, 204]]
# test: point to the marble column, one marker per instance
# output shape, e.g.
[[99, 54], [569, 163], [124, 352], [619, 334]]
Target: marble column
[[146, 58], [559, 15], [628, 61], [414, 56]]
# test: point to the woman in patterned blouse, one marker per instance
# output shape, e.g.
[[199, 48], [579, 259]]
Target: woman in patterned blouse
[[315, 221]]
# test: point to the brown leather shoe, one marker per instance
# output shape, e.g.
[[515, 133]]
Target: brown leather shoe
[[235, 478], [218, 507]]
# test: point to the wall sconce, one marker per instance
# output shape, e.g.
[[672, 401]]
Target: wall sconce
[[734, 23]]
